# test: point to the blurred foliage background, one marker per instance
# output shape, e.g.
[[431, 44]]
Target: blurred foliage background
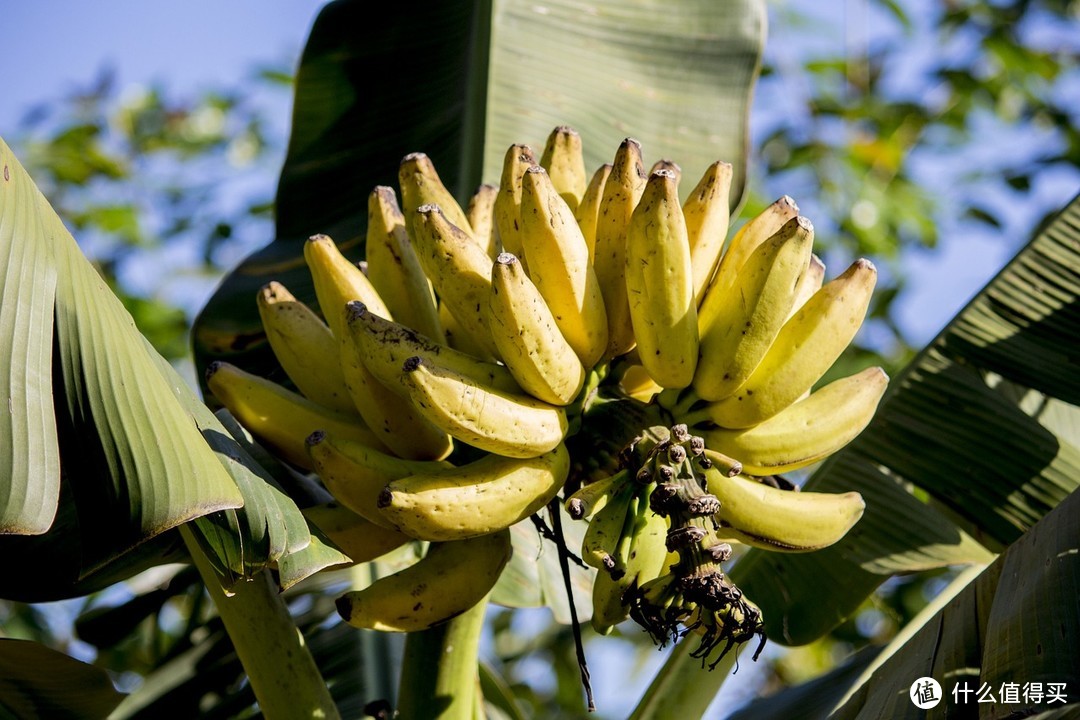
[[934, 138]]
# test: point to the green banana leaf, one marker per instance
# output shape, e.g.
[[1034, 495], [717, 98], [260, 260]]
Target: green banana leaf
[[462, 82], [983, 424], [107, 449], [39, 682]]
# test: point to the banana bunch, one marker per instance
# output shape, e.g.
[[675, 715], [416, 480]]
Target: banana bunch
[[434, 387]]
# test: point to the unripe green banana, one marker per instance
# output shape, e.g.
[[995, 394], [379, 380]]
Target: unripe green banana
[[599, 544], [808, 431], [804, 349], [558, 262], [621, 193], [459, 270], [565, 164], [478, 498], [421, 185], [758, 304], [481, 214], [588, 210], [486, 418], [755, 231], [527, 337], [450, 579], [278, 417], [516, 161], [660, 284], [356, 474], [707, 213], [763, 516], [588, 499], [393, 268], [338, 281], [304, 347], [352, 534], [385, 345]]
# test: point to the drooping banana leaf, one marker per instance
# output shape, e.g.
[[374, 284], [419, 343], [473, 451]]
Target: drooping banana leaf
[[39, 682], [983, 422], [106, 448], [463, 81]]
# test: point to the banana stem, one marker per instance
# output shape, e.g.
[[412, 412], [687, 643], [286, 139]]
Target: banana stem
[[683, 688], [278, 663], [439, 670]]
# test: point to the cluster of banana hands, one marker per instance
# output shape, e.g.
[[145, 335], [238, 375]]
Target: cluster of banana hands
[[485, 331]]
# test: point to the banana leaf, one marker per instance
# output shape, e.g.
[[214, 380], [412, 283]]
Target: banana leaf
[[39, 682], [982, 424], [461, 83]]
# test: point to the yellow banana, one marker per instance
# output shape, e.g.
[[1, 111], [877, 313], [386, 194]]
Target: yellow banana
[[278, 417], [621, 194], [763, 516], [588, 499], [478, 498], [514, 425], [451, 578], [755, 231], [304, 347], [668, 165], [384, 345], [518, 158], [338, 281], [638, 384], [459, 270], [804, 349], [352, 534], [528, 338], [810, 282], [420, 185], [758, 303], [481, 214], [356, 474], [565, 164], [707, 213], [394, 269], [397, 423], [807, 431], [558, 262], [588, 210], [660, 285]]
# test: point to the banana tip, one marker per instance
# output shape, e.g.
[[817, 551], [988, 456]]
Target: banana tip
[[386, 497], [315, 438], [412, 364], [344, 607], [355, 309]]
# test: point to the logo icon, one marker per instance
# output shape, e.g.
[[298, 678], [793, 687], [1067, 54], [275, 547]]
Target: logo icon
[[925, 693]]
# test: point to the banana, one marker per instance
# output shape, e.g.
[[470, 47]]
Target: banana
[[558, 262], [394, 269], [304, 347], [755, 231], [514, 425], [638, 384], [518, 158], [481, 214], [763, 516], [601, 538], [607, 605], [565, 164], [804, 349], [660, 285], [459, 270], [622, 191], [707, 213], [384, 345], [588, 499], [758, 304], [478, 498], [451, 578], [420, 185], [400, 426], [337, 281], [356, 474], [278, 417], [354, 535], [810, 282], [588, 210], [807, 431], [528, 338]]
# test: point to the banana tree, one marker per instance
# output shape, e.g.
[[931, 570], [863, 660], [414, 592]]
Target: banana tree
[[113, 456]]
